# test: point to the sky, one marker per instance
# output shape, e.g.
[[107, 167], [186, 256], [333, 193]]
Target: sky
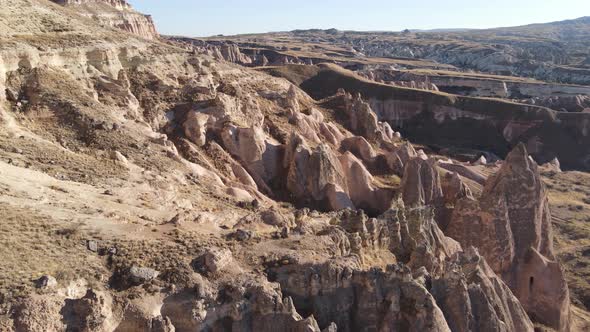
[[199, 18]]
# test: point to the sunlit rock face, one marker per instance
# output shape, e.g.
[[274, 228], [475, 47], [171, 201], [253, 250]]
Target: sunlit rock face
[[195, 180], [511, 225], [116, 14]]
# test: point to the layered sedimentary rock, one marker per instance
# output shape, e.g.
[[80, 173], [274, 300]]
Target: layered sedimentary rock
[[172, 180], [230, 53], [559, 97], [115, 13], [474, 298], [511, 225], [338, 292], [446, 120], [118, 4], [464, 290], [263, 308], [364, 122], [577, 103]]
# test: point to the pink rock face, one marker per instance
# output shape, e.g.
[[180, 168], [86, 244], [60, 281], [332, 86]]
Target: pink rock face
[[359, 147], [323, 177], [453, 188], [400, 157], [246, 143], [465, 296], [421, 183], [315, 174], [362, 120], [511, 226], [360, 186]]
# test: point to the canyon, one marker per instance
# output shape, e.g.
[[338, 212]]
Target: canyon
[[167, 183]]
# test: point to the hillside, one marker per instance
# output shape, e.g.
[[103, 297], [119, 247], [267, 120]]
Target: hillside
[[555, 52], [163, 184]]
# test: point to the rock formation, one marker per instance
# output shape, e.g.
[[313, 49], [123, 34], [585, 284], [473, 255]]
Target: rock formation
[[577, 103], [511, 226], [225, 52], [361, 186], [363, 120], [466, 293], [329, 291], [421, 183], [151, 186], [115, 13], [462, 293], [316, 175], [468, 123]]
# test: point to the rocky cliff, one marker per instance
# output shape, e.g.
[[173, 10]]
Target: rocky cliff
[[451, 121], [114, 13], [511, 224], [559, 97], [147, 187]]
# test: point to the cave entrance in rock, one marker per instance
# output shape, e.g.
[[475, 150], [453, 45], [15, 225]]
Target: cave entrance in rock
[[531, 284]]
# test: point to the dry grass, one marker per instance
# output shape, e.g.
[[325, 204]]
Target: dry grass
[[569, 196], [32, 246]]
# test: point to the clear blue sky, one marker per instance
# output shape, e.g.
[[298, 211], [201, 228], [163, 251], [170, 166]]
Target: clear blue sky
[[207, 17]]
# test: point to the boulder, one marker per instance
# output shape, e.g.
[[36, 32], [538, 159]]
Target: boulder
[[275, 218], [140, 275], [195, 127], [216, 260], [481, 161], [120, 158], [46, 281], [240, 195], [202, 173], [552, 166]]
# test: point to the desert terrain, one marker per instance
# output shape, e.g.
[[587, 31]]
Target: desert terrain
[[312, 180]]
